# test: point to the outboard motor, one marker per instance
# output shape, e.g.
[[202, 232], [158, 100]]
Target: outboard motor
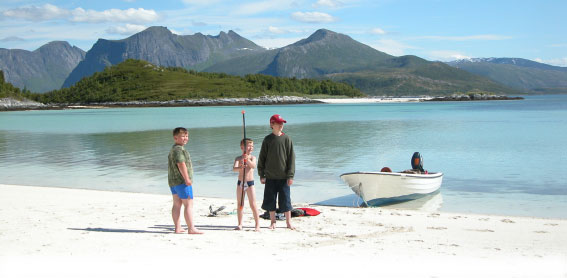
[[417, 162]]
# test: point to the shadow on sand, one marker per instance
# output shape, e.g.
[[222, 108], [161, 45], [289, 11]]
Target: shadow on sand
[[157, 229]]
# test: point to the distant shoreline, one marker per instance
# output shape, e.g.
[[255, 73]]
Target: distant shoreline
[[9, 104]]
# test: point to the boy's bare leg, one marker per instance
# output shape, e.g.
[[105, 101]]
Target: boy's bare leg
[[272, 220], [188, 213], [176, 214], [252, 200], [288, 220], [239, 210]]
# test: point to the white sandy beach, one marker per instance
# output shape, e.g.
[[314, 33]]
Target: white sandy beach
[[372, 100], [58, 232]]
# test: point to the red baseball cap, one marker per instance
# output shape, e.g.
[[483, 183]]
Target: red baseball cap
[[276, 118]]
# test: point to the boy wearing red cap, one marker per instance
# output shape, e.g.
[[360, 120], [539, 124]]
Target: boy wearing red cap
[[276, 168]]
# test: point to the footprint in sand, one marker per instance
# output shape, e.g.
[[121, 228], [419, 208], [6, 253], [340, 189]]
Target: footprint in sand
[[507, 221], [540, 232], [437, 228], [484, 231], [550, 224], [484, 219]]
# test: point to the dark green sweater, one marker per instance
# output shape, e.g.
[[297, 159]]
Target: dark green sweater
[[277, 159]]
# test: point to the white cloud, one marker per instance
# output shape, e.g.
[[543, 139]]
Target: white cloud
[[37, 13], [487, 37], [139, 15], [378, 31], [198, 23], [128, 29], [262, 6], [276, 42], [51, 12], [313, 17], [276, 30], [560, 62], [12, 39], [200, 2], [391, 47], [446, 55], [328, 3], [179, 33]]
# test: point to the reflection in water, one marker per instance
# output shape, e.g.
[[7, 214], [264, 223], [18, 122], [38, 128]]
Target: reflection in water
[[137, 161], [429, 203], [475, 144]]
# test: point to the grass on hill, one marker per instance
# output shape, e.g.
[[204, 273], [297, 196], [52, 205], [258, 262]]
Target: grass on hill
[[8, 90], [135, 80]]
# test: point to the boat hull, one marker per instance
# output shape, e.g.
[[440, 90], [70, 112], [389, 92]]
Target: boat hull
[[381, 188]]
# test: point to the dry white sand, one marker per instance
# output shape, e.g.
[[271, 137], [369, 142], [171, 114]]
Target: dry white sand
[[372, 100], [58, 232]]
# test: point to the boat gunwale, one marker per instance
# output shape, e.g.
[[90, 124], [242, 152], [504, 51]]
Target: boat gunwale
[[398, 174]]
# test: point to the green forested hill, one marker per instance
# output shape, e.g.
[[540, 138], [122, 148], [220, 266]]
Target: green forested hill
[[135, 80], [8, 90], [411, 76]]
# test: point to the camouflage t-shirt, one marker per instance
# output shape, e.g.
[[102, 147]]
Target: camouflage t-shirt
[[178, 154]]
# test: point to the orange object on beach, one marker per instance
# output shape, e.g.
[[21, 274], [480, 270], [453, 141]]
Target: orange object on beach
[[386, 169]]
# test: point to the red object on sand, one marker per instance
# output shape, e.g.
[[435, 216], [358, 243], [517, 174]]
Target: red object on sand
[[310, 211], [386, 169]]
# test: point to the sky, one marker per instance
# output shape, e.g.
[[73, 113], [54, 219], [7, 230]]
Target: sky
[[436, 30]]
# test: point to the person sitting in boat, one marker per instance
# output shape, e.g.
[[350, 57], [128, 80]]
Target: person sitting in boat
[[416, 165]]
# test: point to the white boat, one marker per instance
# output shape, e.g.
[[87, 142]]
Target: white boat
[[382, 188]]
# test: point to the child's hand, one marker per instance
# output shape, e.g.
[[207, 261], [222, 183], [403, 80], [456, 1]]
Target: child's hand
[[263, 180]]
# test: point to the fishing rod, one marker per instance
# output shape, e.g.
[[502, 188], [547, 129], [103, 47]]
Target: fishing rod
[[243, 159]]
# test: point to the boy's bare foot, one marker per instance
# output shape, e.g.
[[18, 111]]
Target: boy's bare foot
[[272, 226], [195, 232], [257, 229], [290, 227], [180, 231], [238, 228]]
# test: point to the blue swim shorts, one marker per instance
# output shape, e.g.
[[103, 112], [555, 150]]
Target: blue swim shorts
[[183, 191], [248, 183]]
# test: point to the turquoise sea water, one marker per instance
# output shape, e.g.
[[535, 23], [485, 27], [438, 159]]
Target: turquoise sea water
[[498, 157]]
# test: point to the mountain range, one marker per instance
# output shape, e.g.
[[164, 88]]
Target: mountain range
[[323, 55], [43, 69], [160, 46], [521, 74], [330, 55]]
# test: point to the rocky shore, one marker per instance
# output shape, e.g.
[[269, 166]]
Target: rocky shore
[[263, 100], [12, 104]]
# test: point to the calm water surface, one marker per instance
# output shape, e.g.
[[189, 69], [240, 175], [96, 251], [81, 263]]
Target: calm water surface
[[499, 157]]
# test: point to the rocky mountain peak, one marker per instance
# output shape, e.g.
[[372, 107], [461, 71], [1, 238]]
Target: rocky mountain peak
[[322, 36]]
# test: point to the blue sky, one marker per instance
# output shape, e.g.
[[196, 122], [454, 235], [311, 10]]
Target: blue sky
[[441, 30]]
